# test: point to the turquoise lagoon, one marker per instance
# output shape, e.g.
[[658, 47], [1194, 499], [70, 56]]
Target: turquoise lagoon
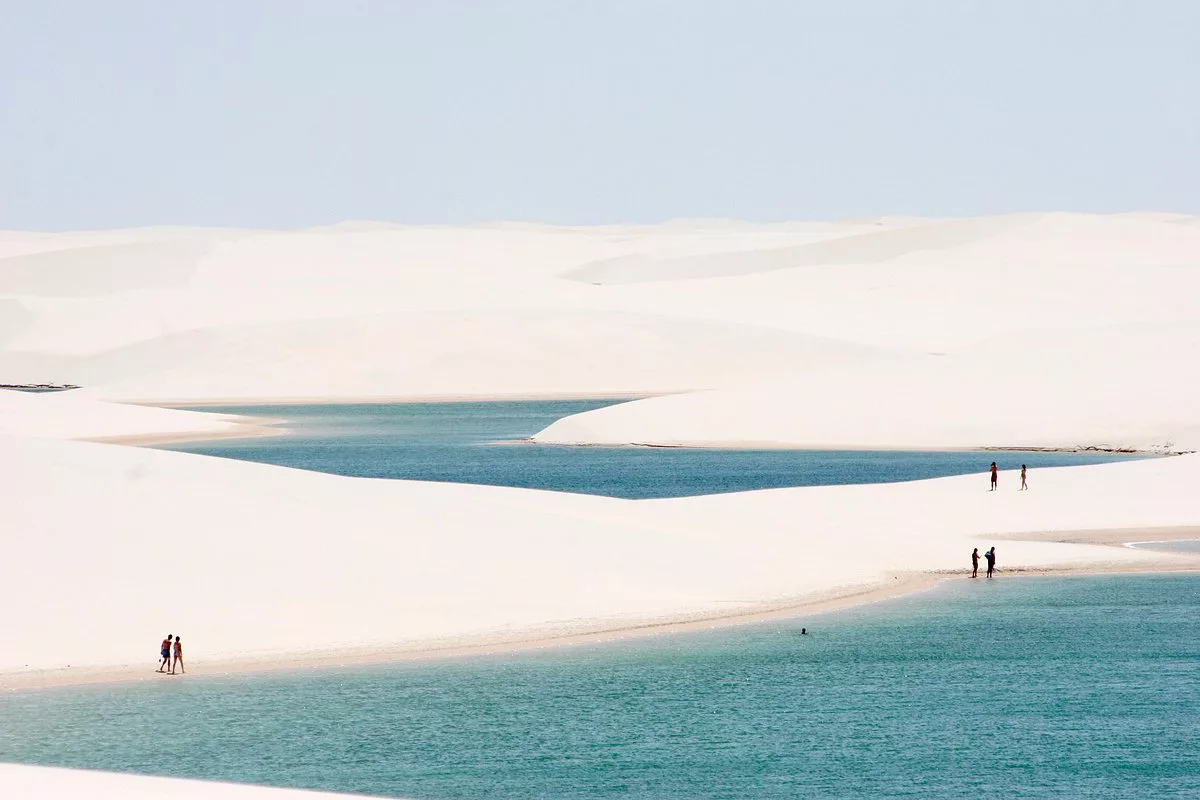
[[458, 442], [1029, 688]]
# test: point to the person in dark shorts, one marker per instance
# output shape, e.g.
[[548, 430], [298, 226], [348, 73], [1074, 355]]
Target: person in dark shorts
[[975, 563], [164, 653], [994, 476], [178, 657], [990, 555], [1024, 486]]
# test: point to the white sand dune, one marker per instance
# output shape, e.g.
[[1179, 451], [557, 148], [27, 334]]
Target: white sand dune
[[412, 309], [1044, 389], [111, 268], [1047, 330], [427, 354], [47, 783], [65, 415], [839, 246]]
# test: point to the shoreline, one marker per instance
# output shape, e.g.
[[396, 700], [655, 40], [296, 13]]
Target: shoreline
[[268, 426], [402, 399], [855, 448], [247, 428], [600, 632]]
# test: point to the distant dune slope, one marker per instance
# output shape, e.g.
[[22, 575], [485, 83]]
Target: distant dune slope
[[852, 247], [1115, 387], [101, 269], [448, 353], [1040, 318]]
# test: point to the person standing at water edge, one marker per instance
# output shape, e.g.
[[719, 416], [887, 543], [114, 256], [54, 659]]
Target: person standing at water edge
[[164, 652], [994, 476], [178, 657], [1024, 486], [975, 563], [990, 555]]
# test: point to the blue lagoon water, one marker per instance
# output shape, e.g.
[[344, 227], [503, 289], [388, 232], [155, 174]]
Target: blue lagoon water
[[1030, 688], [1034, 688], [457, 442]]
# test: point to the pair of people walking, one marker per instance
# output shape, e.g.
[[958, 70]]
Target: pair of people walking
[[171, 655], [996, 475], [990, 555]]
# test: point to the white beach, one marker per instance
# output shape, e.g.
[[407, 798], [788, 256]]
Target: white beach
[[46, 782]]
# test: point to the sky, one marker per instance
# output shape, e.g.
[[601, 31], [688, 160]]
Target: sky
[[289, 113]]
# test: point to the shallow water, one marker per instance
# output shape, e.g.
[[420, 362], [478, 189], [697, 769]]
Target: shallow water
[[1032, 688], [1171, 546], [456, 442]]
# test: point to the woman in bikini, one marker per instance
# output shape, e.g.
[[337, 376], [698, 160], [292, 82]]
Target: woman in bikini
[[178, 657]]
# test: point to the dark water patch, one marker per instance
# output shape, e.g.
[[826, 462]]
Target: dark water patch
[[36, 388]]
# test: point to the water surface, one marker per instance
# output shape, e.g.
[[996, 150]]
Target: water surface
[[1030, 688], [456, 442], [1171, 546]]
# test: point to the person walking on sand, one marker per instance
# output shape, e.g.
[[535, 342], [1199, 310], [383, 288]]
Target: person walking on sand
[[178, 657], [1024, 486], [164, 652], [975, 563], [994, 476], [990, 555]]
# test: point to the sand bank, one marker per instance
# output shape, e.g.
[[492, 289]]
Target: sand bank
[[69, 416], [595, 633], [247, 428], [1111, 536], [50, 783]]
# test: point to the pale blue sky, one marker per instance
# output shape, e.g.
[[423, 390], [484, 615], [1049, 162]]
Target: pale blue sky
[[297, 112]]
